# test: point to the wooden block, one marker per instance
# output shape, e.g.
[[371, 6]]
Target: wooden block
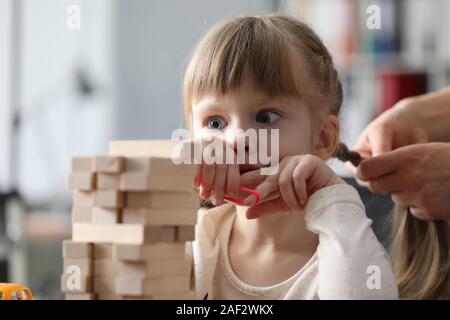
[[107, 267], [106, 181], [109, 198], [187, 295], [171, 183], [168, 234], [148, 252], [184, 295], [81, 181], [82, 164], [161, 199], [77, 250], [105, 216], [71, 283], [105, 285], [138, 286], [108, 164], [134, 269], [157, 268], [134, 182], [83, 198], [167, 166], [103, 250], [185, 233], [142, 148], [85, 265], [137, 165], [109, 296], [80, 296], [155, 216], [117, 233], [158, 166], [81, 214]]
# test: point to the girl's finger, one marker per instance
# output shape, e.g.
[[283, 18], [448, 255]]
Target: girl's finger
[[233, 180], [266, 187], [277, 205], [252, 179], [197, 177], [208, 172], [285, 182], [300, 184], [218, 188]]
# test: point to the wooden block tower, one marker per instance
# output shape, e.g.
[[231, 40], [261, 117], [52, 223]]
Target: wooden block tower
[[133, 212]]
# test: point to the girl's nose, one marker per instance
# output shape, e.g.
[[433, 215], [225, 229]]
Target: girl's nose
[[239, 137]]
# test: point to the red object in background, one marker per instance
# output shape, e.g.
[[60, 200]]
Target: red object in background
[[396, 86]]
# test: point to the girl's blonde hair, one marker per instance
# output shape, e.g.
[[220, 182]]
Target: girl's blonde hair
[[285, 57], [421, 253]]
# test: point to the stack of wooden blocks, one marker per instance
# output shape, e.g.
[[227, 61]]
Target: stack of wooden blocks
[[134, 211]]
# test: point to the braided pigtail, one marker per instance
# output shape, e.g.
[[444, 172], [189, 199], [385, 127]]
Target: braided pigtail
[[344, 154]]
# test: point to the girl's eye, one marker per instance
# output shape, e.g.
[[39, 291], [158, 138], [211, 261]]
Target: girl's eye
[[267, 116], [216, 123]]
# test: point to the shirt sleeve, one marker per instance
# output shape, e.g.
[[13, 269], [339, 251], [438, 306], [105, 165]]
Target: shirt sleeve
[[352, 262]]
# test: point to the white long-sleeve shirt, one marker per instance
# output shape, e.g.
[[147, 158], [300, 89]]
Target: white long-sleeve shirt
[[349, 262]]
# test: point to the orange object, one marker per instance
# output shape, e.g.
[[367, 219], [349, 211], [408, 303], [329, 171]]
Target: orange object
[[14, 291]]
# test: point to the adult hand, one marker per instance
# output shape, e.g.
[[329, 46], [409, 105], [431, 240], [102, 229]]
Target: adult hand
[[399, 126], [416, 176]]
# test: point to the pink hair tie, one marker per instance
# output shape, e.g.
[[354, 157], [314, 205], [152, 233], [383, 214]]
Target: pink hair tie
[[241, 201]]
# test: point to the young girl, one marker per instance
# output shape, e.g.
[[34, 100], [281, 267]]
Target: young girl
[[308, 237]]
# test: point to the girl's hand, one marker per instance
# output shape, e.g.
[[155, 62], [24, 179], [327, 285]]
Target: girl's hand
[[217, 179], [297, 178]]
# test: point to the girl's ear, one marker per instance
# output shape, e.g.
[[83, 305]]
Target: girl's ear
[[328, 138]]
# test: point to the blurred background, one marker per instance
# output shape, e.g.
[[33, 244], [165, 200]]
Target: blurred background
[[75, 74]]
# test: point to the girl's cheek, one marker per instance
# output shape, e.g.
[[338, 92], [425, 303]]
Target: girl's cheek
[[293, 146]]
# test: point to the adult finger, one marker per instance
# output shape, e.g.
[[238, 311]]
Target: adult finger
[[364, 153], [381, 141], [404, 199], [376, 167], [394, 182], [419, 213]]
